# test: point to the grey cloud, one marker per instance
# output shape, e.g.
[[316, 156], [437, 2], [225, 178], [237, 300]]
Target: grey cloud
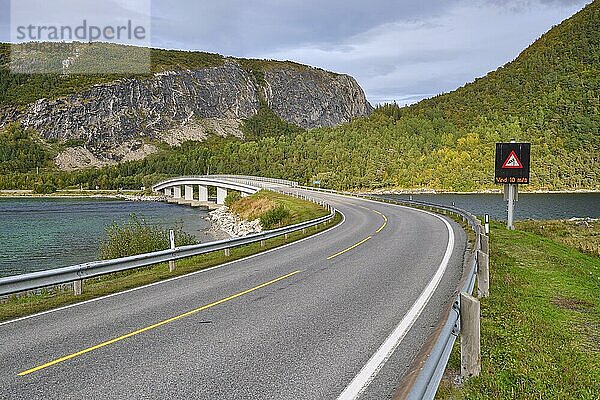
[[235, 27]]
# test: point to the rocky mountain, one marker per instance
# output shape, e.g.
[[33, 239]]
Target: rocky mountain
[[126, 118]]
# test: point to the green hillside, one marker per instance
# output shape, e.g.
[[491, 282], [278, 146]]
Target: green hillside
[[549, 96], [552, 88]]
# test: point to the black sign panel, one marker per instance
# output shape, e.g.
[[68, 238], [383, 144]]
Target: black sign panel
[[512, 163]]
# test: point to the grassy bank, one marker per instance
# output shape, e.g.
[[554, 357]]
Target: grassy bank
[[582, 235], [300, 210], [275, 209], [540, 327]]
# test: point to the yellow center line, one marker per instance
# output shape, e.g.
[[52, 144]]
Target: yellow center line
[[167, 321], [385, 221], [349, 248]]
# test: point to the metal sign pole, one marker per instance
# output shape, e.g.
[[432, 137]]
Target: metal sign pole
[[511, 207]]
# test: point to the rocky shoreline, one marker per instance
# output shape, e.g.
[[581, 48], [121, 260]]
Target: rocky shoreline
[[225, 224], [17, 194]]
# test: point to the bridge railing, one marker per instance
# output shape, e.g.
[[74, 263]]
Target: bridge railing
[[429, 376], [248, 178], [76, 273]]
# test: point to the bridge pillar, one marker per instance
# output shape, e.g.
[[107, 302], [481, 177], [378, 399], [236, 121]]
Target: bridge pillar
[[177, 192], [221, 194], [203, 193], [168, 192], [189, 192]]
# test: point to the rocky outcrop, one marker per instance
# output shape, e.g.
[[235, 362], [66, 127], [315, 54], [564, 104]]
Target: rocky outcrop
[[223, 220], [187, 105], [312, 98]]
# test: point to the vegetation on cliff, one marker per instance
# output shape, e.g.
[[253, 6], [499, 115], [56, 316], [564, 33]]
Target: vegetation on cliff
[[23, 89], [20, 151]]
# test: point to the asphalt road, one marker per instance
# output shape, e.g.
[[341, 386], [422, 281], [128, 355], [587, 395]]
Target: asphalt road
[[311, 320]]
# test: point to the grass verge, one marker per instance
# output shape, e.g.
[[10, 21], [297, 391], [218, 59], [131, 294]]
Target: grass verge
[[583, 235], [264, 203], [540, 327], [16, 307]]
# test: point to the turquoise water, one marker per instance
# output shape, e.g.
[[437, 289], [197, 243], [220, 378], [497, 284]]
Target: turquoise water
[[39, 234]]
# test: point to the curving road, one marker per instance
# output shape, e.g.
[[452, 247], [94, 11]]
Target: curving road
[[335, 315]]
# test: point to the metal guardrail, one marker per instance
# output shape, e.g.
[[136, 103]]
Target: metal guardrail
[[58, 276], [256, 179], [228, 183], [430, 375]]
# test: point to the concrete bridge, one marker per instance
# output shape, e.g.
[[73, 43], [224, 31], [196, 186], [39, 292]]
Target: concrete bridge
[[195, 190]]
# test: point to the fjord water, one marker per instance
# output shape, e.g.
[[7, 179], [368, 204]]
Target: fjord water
[[538, 206], [39, 234]]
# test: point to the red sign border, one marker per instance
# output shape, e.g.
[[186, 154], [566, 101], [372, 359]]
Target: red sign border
[[512, 153]]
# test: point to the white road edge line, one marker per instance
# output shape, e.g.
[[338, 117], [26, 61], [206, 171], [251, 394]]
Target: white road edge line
[[173, 279], [370, 370]]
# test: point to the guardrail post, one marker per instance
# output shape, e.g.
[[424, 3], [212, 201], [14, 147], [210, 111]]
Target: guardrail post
[[470, 346], [172, 242], [485, 243], [483, 274], [78, 287]]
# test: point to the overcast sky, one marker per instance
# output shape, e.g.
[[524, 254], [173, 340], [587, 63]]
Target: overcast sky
[[398, 50]]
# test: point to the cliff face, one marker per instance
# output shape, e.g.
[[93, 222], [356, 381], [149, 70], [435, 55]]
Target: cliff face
[[187, 105], [313, 98]]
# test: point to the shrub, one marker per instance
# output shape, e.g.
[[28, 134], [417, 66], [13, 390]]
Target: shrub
[[136, 236], [274, 217], [44, 188], [232, 197]]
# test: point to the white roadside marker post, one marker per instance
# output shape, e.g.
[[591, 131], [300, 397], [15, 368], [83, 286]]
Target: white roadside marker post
[[172, 242], [487, 224], [78, 287]]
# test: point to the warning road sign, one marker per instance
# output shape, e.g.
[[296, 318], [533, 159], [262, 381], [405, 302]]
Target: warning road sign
[[512, 163]]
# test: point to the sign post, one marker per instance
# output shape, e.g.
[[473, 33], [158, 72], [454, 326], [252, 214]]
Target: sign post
[[512, 169]]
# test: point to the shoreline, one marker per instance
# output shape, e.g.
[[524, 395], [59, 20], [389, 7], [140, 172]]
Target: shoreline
[[133, 196], [136, 196], [223, 221]]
